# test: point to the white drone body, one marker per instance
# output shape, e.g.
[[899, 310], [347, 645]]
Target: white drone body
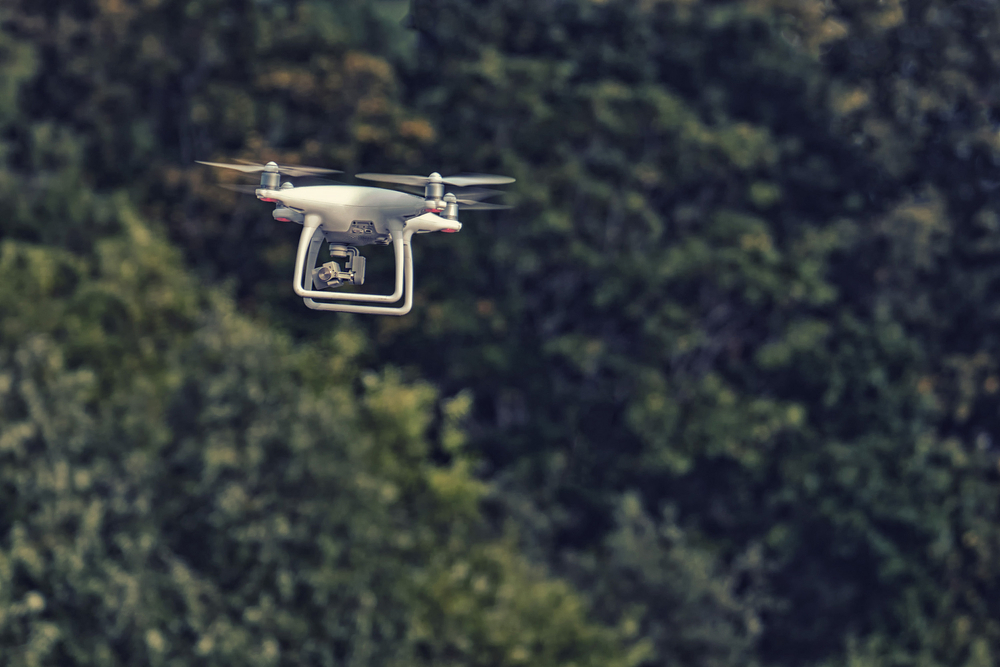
[[348, 216]]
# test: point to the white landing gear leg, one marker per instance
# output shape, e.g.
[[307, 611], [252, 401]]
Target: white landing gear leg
[[309, 245]]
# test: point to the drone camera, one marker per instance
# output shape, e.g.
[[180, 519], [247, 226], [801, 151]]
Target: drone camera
[[329, 275]]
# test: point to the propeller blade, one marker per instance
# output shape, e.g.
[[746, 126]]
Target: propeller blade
[[467, 205], [419, 181], [288, 170], [477, 194], [243, 189], [463, 180], [292, 170], [246, 168]]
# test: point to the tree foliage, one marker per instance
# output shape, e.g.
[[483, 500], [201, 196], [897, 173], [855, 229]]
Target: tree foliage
[[751, 255], [182, 485], [728, 368]]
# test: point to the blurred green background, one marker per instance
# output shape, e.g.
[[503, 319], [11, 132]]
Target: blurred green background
[[723, 389]]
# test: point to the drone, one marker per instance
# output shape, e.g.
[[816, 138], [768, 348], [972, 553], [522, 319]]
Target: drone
[[349, 216]]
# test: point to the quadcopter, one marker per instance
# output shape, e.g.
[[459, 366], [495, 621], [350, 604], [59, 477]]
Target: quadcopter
[[349, 216]]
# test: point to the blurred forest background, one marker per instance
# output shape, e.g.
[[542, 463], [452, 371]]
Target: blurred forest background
[[722, 390]]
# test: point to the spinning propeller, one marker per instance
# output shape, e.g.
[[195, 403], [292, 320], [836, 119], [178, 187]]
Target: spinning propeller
[[304, 181], [272, 167], [270, 177], [437, 200], [461, 180], [470, 204]]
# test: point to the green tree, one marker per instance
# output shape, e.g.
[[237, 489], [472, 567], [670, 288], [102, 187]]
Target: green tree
[[749, 274], [180, 484], [731, 359]]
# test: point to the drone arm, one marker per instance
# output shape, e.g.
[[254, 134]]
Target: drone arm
[[309, 244]]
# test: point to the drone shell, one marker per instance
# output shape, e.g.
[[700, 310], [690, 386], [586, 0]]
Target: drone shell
[[350, 214]]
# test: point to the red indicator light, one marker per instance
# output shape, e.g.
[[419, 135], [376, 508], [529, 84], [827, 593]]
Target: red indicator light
[[449, 231], [268, 200], [282, 219]]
